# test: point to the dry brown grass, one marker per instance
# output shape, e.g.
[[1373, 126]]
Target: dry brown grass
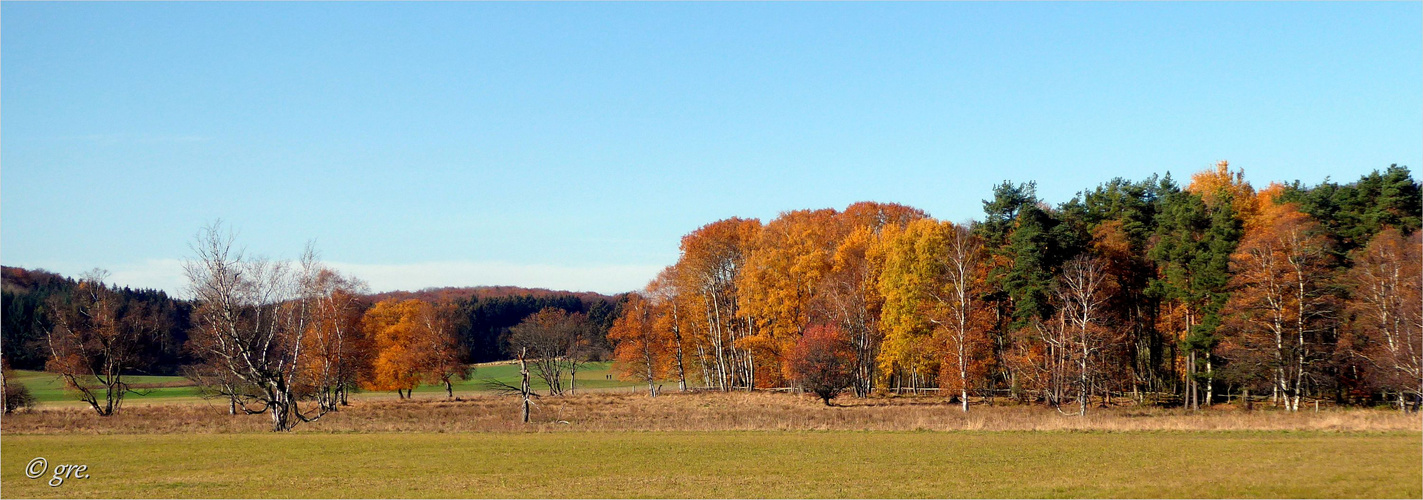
[[699, 412]]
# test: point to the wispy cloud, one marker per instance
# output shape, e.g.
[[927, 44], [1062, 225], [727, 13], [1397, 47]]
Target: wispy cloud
[[167, 275], [115, 139], [163, 274], [120, 139], [595, 278]]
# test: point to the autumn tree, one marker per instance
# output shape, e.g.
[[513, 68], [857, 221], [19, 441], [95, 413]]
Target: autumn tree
[[932, 284], [337, 350], [640, 351], [708, 281], [821, 361], [850, 295], [1279, 279], [783, 273], [443, 357], [669, 320], [413, 343], [1043, 355], [1385, 299], [393, 328], [97, 339]]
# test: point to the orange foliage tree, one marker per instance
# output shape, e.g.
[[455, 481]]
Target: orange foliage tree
[[413, 344], [708, 277], [1222, 185], [1278, 308], [335, 350], [792, 255], [849, 295], [670, 320], [641, 351], [1385, 299]]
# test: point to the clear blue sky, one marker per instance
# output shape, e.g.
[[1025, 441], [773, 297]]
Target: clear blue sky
[[571, 145]]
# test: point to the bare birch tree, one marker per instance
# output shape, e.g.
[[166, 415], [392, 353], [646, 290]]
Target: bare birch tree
[[554, 338], [1082, 293], [249, 323]]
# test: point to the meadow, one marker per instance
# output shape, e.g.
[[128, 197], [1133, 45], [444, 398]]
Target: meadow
[[627, 410], [615, 441], [726, 464], [48, 388]]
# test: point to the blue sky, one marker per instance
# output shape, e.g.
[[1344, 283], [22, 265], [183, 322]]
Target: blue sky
[[571, 145]]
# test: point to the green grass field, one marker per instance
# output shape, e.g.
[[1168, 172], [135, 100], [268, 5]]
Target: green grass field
[[680, 446], [48, 388], [726, 464], [590, 376]]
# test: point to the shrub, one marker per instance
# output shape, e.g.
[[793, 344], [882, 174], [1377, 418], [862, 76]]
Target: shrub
[[821, 361]]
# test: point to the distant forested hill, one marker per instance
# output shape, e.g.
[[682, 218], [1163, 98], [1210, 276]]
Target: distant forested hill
[[28, 294], [485, 316]]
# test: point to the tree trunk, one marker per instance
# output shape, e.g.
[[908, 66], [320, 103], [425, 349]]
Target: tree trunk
[[1082, 393], [1210, 382], [280, 405], [677, 337], [524, 387]]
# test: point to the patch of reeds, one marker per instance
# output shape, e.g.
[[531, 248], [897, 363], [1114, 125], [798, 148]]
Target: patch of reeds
[[703, 411]]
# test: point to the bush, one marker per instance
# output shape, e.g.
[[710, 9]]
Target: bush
[[18, 396], [821, 362]]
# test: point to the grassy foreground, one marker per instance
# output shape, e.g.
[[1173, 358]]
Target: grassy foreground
[[727, 464]]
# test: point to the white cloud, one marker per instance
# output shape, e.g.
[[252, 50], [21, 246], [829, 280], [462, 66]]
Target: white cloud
[[602, 279], [163, 274], [167, 275]]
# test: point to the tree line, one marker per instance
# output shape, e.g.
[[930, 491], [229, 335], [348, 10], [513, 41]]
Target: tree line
[[1168, 295], [484, 317], [268, 335]]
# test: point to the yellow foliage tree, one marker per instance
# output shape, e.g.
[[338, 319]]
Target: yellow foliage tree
[[413, 343], [1221, 185]]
